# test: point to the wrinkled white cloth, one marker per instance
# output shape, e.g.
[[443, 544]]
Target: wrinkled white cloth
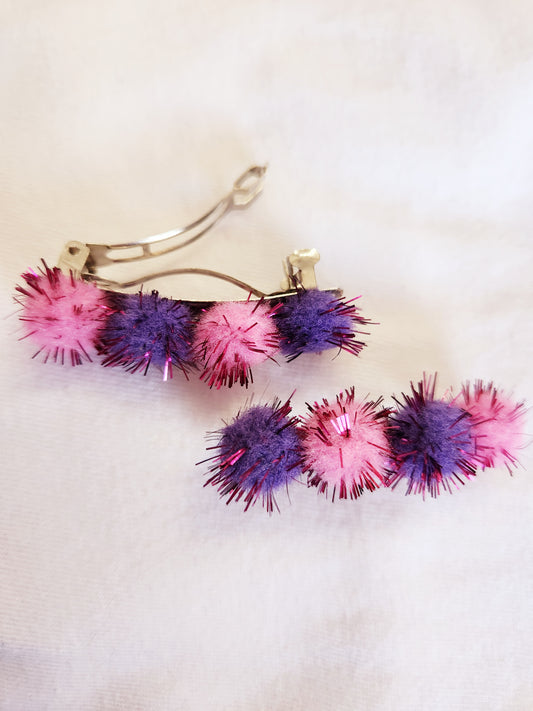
[[399, 143]]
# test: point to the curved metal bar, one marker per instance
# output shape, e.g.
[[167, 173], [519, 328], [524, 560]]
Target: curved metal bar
[[88, 258], [177, 272], [248, 288], [300, 275], [101, 255]]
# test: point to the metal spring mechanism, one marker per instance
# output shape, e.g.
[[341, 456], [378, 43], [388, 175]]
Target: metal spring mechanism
[[85, 260]]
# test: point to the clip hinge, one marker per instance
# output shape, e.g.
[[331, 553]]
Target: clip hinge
[[73, 258]]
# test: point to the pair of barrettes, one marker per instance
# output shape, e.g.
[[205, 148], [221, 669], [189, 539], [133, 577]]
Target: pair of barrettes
[[73, 313], [351, 445]]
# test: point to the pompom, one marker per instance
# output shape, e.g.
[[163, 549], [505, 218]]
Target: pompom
[[431, 441], [231, 338], [62, 315], [258, 454], [497, 423], [147, 329], [345, 445], [313, 321]]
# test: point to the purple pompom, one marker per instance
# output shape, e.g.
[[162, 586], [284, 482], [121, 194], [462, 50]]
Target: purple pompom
[[313, 321], [258, 454], [146, 329], [431, 441]]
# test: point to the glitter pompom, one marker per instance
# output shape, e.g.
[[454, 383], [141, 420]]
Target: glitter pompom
[[313, 321], [258, 454], [431, 441], [345, 445], [497, 423], [233, 337], [62, 315], [147, 329]]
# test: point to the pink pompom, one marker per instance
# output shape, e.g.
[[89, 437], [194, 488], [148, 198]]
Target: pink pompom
[[62, 315], [345, 445], [231, 338], [497, 424]]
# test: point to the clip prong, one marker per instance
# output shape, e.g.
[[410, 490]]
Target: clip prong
[[84, 259], [300, 268]]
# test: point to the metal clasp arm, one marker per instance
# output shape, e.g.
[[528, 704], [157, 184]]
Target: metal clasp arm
[[81, 258]]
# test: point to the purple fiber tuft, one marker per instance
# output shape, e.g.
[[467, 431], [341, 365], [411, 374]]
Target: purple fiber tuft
[[258, 453], [313, 321], [146, 329], [431, 441]]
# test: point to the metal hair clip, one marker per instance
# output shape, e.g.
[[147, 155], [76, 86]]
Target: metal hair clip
[[73, 312]]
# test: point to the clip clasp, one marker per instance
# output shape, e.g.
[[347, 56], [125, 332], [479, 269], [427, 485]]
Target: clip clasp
[[85, 260]]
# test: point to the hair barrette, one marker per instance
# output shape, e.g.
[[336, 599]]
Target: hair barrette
[[73, 313], [350, 445]]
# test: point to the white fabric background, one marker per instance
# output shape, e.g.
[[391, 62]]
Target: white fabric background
[[399, 141]]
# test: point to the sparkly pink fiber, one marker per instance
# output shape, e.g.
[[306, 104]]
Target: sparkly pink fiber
[[233, 337], [497, 424], [62, 315], [345, 445]]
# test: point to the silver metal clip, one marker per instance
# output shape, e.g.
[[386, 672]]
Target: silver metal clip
[[85, 260]]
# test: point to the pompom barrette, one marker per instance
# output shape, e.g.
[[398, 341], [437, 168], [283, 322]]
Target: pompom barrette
[[73, 314], [351, 445]]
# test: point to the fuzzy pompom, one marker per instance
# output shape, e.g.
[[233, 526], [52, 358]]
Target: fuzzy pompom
[[258, 454], [62, 315], [431, 441], [313, 321], [345, 445], [147, 329], [231, 338], [497, 423]]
